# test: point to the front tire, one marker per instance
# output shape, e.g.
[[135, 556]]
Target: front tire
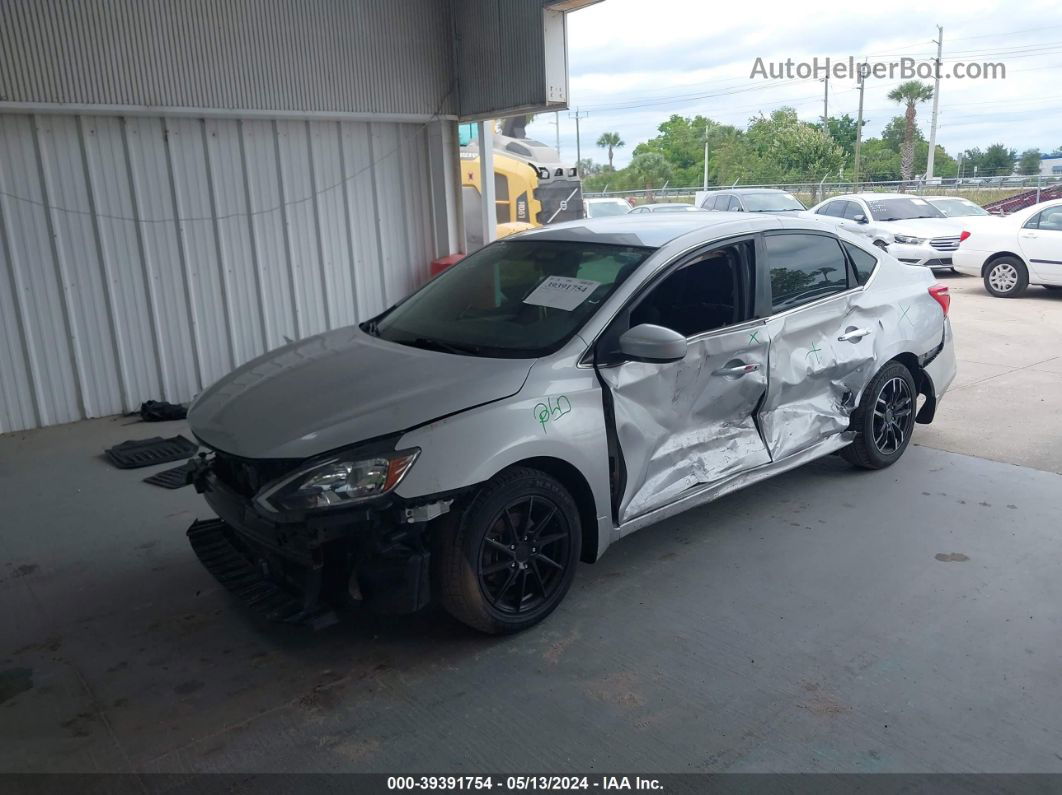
[[508, 560], [884, 419], [1006, 277]]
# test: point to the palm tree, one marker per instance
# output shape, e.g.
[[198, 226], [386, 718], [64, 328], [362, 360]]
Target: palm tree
[[610, 140], [650, 169], [910, 93]]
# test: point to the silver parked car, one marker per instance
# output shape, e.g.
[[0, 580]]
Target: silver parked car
[[909, 227], [752, 200], [550, 394]]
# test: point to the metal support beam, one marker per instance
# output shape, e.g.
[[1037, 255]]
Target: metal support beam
[[485, 131]]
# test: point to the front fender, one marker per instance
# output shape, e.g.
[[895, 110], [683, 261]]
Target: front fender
[[561, 419]]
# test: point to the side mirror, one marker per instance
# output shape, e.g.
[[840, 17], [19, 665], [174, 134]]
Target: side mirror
[[859, 219], [655, 344]]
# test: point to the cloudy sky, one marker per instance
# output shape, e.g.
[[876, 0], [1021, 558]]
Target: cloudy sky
[[633, 63]]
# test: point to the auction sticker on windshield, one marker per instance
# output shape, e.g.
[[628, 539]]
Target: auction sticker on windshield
[[561, 292]]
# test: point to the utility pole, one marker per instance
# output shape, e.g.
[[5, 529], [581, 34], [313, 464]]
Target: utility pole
[[861, 77], [705, 187], [936, 103], [556, 123], [578, 143], [826, 105]]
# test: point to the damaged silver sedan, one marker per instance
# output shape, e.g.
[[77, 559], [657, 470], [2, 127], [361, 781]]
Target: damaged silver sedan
[[550, 394]]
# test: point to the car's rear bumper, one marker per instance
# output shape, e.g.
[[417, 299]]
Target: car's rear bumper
[[969, 261], [943, 367]]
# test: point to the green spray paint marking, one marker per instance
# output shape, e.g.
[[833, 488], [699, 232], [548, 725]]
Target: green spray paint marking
[[903, 315], [814, 350], [753, 337], [552, 410]]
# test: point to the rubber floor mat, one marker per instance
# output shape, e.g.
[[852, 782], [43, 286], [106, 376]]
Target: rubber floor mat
[[171, 478], [146, 452]]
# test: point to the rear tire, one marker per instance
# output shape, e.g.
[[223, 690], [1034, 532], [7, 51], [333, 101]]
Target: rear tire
[[884, 419], [508, 559], [1006, 277]]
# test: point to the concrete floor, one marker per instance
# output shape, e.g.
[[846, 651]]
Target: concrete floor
[[827, 620], [1006, 400]]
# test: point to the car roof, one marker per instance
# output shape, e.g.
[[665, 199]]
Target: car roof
[[655, 231], [667, 204], [746, 191], [873, 196]]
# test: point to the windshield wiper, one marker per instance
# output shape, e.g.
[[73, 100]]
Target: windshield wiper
[[430, 344], [371, 328]]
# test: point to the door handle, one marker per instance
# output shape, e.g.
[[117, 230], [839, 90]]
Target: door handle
[[736, 371], [853, 334], [1028, 234]]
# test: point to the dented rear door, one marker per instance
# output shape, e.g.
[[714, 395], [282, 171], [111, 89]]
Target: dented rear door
[[824, 338]]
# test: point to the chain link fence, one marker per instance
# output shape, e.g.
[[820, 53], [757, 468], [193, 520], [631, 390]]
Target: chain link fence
[[981, 190]]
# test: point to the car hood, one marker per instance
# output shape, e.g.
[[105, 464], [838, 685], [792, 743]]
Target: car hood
[[924, 227], [340, 388]]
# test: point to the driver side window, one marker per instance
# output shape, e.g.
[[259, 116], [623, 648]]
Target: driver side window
[[707, 294]]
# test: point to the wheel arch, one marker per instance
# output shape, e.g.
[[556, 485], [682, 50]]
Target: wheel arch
[[579, 487], [998, 256], [923, 383]]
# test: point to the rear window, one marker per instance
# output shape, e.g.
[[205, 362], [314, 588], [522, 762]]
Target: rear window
[[804, 268], [863, 261]]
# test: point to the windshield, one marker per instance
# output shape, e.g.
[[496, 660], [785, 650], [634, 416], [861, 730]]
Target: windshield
[[602, 209], [956, 208], [771, 202], [902, 209], [516, 298], [673, 208]]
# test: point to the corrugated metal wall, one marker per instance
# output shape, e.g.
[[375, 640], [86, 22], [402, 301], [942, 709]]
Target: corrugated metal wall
[[499, 39], [363, 56], [145, 257]]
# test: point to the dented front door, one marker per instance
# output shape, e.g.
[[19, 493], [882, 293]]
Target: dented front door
[[689, 423]]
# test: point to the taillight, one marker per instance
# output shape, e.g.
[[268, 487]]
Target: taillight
[[963, 235], [942, 296]]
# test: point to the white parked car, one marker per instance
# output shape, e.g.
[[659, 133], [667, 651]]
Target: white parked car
[[550, 394], [1014, 251], [908, 227], [604, 207], [956, 206]]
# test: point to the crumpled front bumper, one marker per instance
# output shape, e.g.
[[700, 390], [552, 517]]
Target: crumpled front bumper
[[308, 569]]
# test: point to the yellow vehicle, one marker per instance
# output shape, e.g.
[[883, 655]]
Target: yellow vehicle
[[531, 186]]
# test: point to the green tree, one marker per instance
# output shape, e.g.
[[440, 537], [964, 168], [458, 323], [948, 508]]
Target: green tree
[[651, 170], [997, 160], [1029, 162], [842, 129], [893, 132], [909, 94], [879, 161], [610, 141], [800, 151]]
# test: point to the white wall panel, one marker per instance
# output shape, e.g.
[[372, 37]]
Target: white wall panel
[[144, 257]]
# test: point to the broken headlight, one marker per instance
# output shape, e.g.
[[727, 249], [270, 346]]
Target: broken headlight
[[339, 480]]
